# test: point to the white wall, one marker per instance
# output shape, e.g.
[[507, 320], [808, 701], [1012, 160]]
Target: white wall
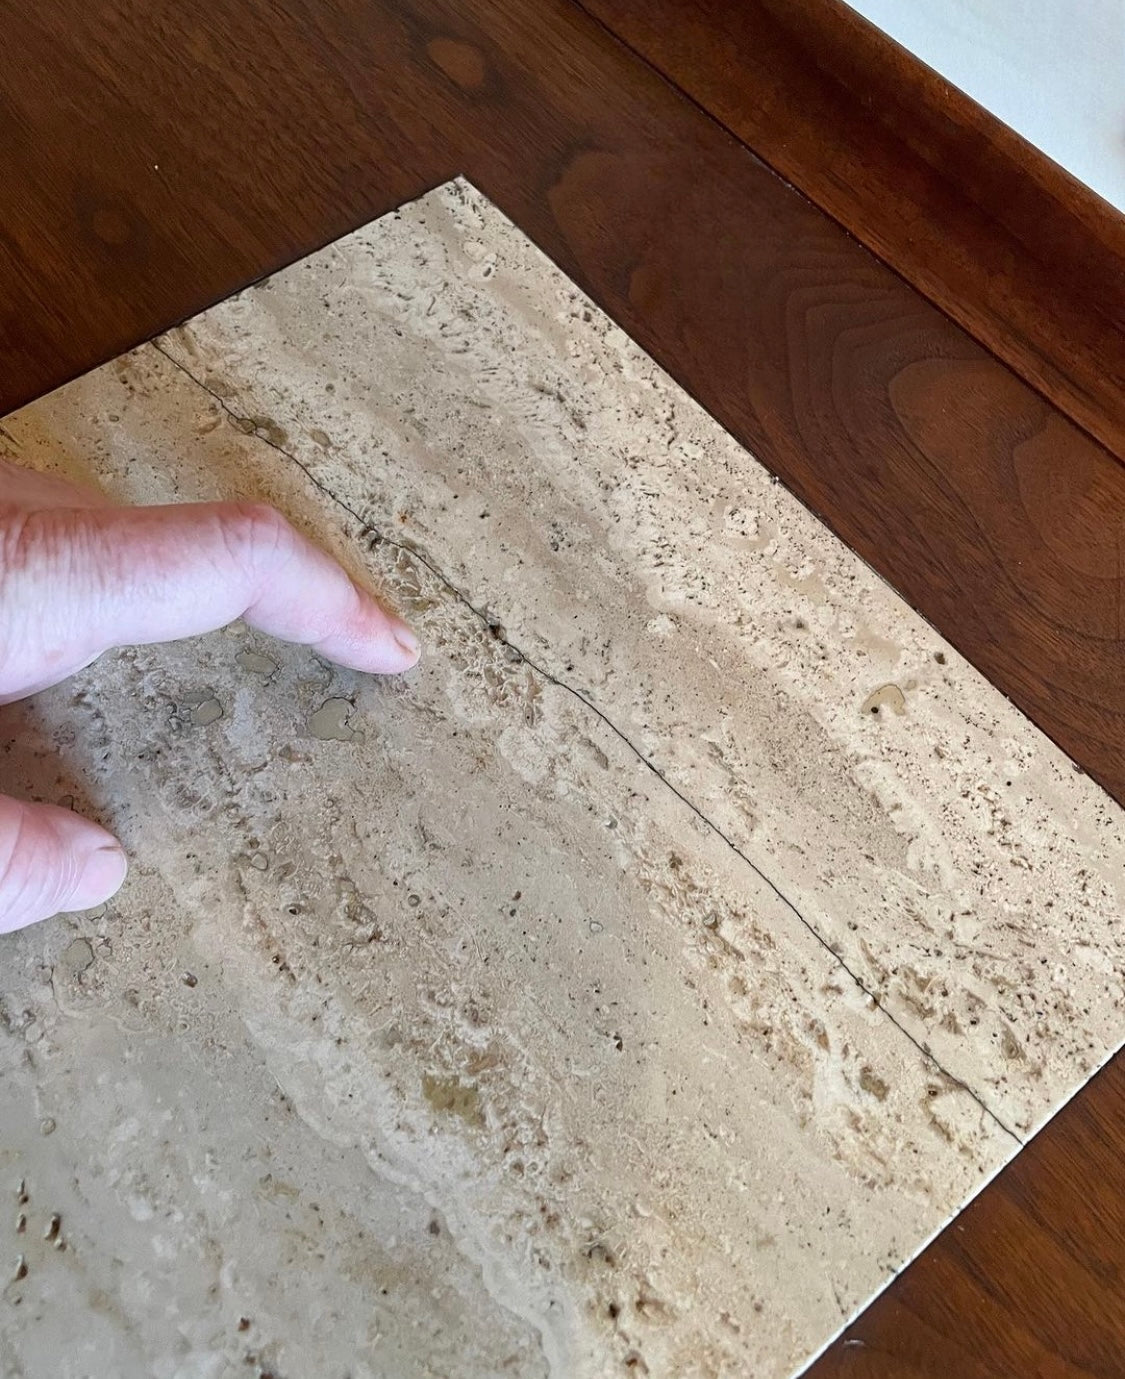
[[1052, 69]]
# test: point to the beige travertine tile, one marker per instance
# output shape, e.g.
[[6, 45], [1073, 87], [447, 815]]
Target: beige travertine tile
[[579, 989]]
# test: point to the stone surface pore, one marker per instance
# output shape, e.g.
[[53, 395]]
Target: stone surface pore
[[630, 989]]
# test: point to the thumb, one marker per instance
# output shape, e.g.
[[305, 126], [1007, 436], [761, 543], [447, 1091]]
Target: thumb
[[52, 860]]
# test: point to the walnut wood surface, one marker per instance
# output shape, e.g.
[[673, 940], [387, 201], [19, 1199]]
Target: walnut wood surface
[[1029, 260], [155, 157]]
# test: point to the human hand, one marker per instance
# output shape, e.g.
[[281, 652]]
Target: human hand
[[79, 575]]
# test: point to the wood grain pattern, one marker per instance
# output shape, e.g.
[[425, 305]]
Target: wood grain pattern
[[153, 163], [160, 158], [1029, 260], [154, 157], [1027, 1281]]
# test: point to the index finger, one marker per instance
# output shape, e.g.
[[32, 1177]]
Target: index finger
[[75, 582]]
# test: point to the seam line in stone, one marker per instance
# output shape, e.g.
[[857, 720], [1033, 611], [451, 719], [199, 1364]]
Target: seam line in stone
[[493, 628]]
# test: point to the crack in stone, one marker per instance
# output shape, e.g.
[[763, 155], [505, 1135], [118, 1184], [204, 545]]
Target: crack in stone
[[496, 632]]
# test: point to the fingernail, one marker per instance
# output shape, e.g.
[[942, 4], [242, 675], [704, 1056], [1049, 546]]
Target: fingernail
[[100, 878], [407, 640]]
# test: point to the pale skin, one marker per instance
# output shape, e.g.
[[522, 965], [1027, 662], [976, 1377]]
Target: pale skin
[[79, 575]]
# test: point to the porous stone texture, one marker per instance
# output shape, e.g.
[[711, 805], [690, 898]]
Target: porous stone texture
[[629, 989]]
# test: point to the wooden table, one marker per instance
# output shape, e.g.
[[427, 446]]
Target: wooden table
[[156, 157]]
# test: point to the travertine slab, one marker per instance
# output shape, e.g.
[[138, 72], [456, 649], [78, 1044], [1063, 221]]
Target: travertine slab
[[630, 988]]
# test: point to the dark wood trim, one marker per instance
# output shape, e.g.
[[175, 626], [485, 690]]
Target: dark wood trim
[[150, 168], [156, 157], [1029, 1280], [1028, 260]]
